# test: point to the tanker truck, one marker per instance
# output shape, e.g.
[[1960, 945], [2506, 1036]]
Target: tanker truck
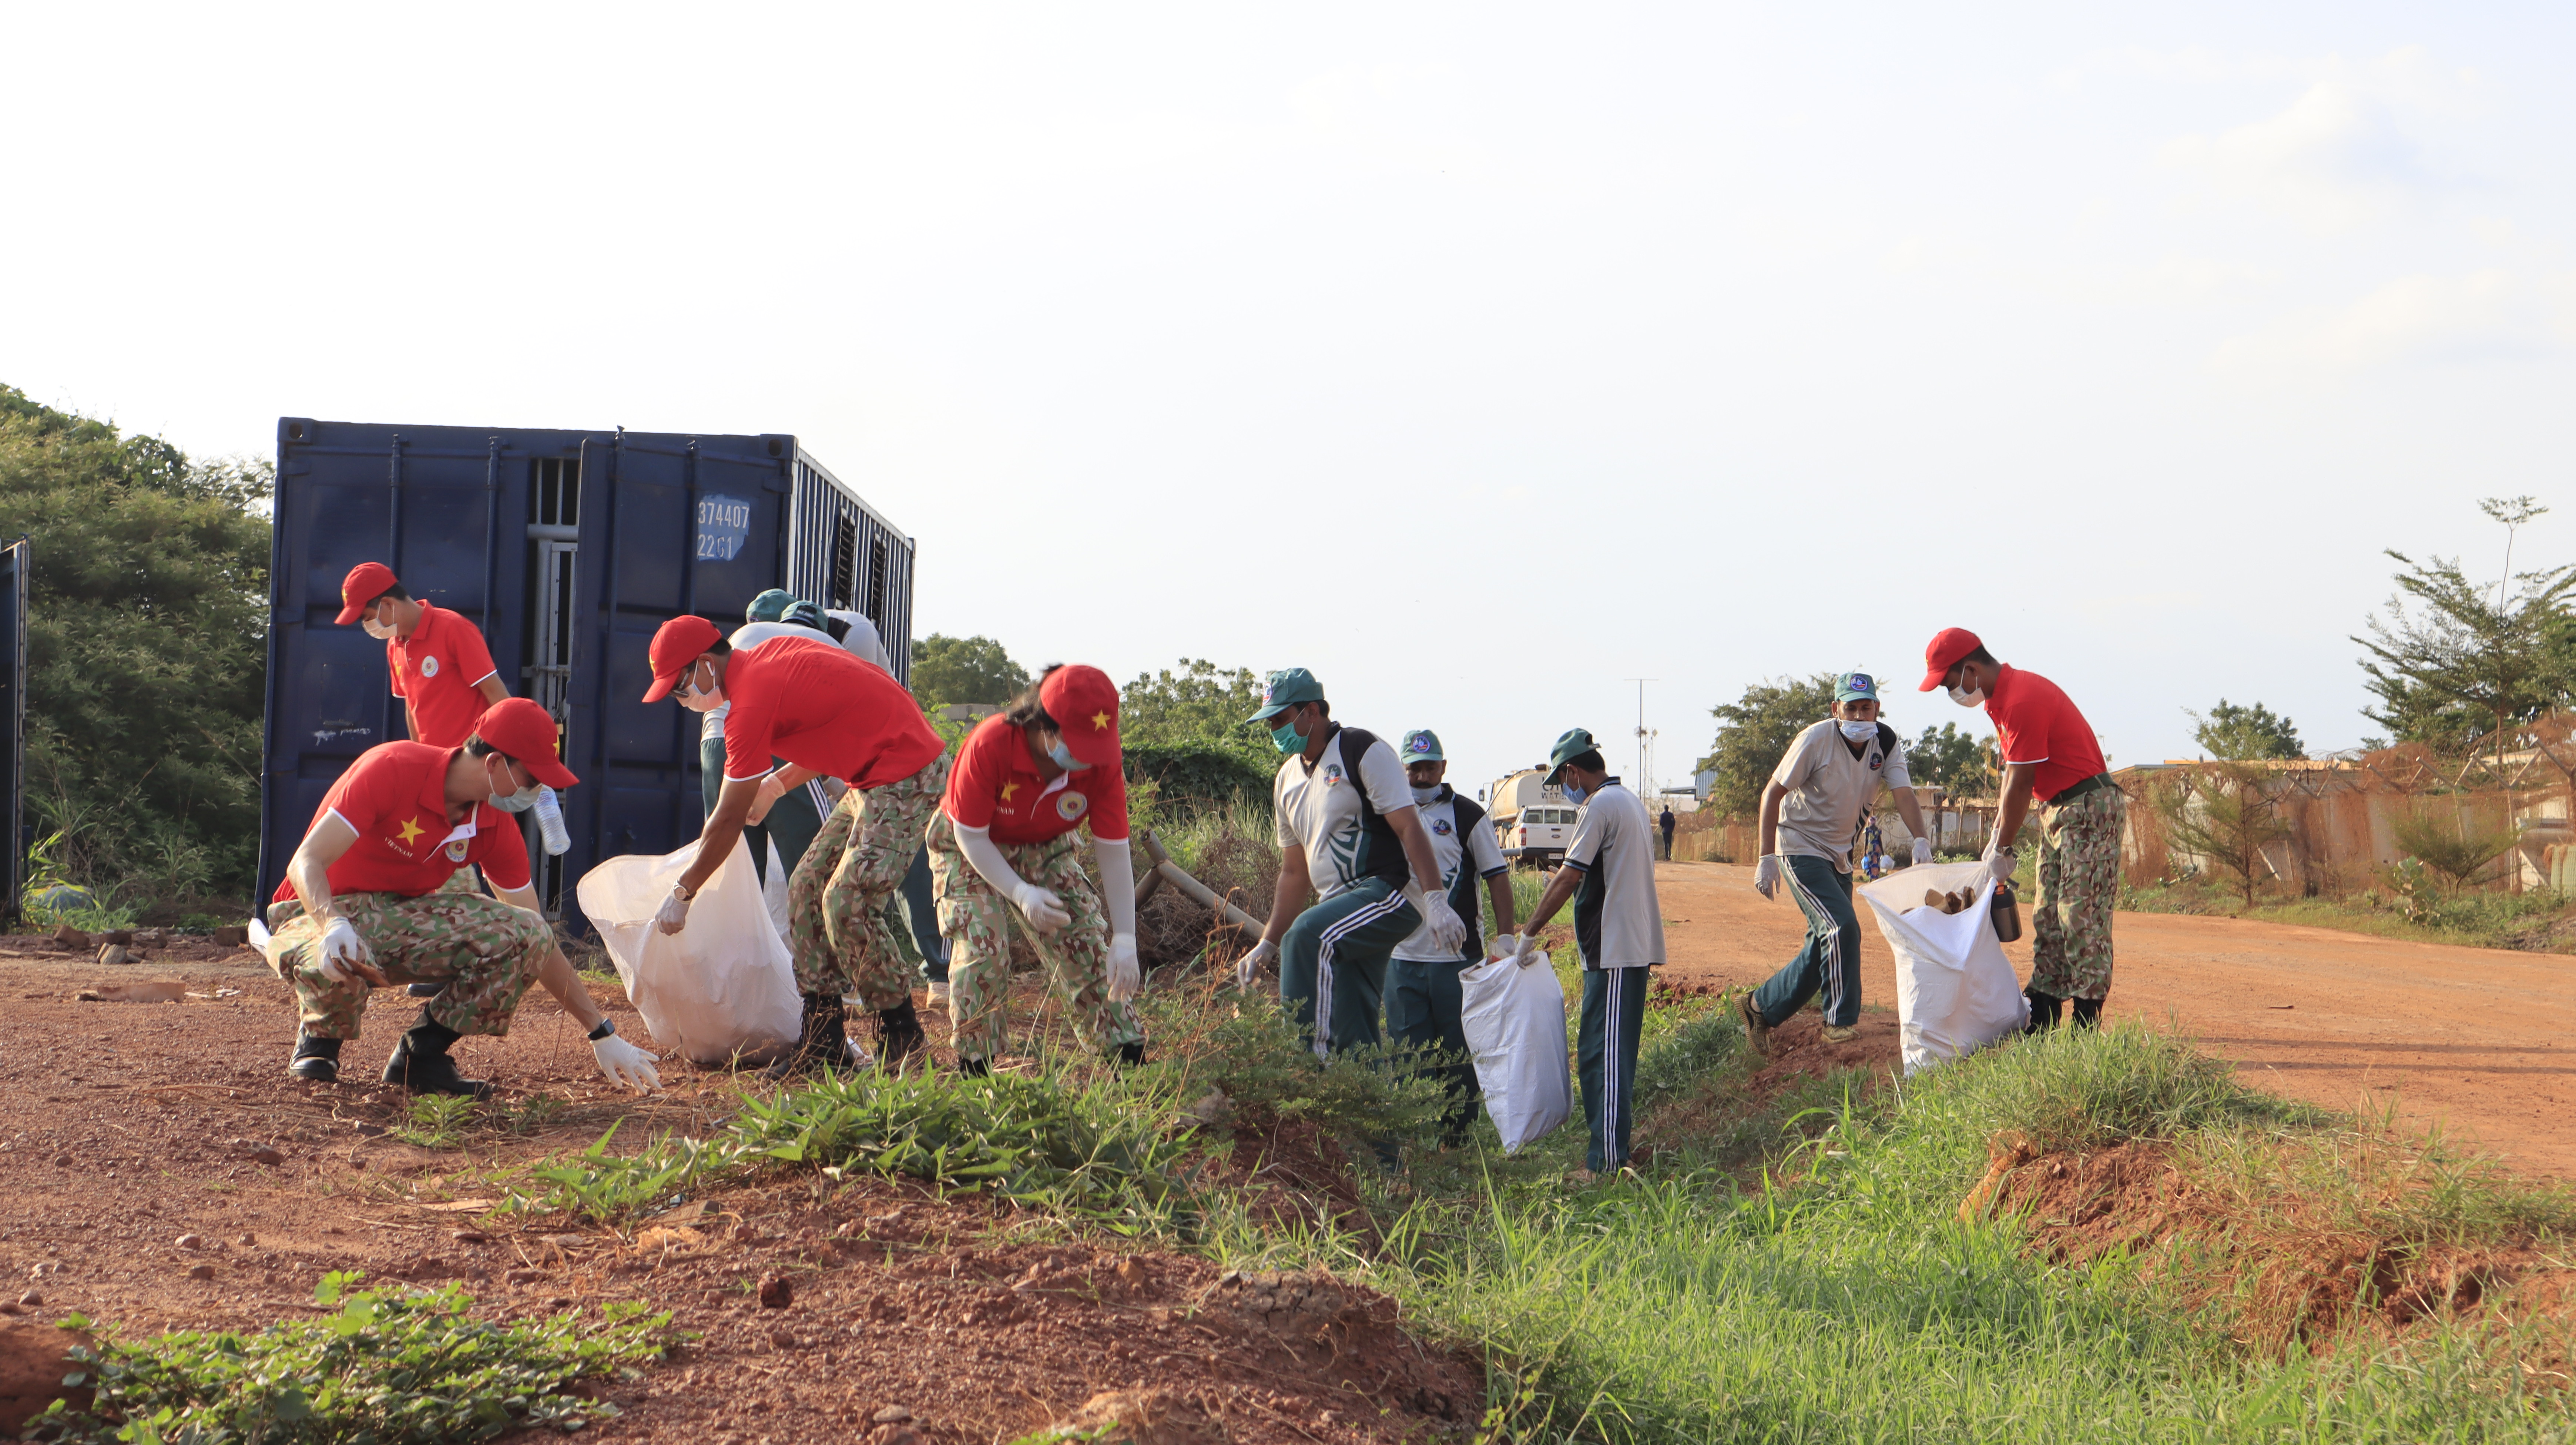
[[1533, 822]]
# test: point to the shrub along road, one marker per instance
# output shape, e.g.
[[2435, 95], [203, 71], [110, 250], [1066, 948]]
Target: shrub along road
[[2479, 1041]]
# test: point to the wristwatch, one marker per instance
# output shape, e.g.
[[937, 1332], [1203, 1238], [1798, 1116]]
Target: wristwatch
[[606, 1027]]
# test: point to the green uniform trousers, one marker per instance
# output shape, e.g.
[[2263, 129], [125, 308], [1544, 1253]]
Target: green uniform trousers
[[484, 950], [978, 921], [1332, 965], [2079, 885], [1605, 1055], [792, 823], [838, 936], [1425, 1007]]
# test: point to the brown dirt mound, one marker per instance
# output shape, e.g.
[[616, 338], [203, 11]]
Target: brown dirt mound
[[2290, 1279]]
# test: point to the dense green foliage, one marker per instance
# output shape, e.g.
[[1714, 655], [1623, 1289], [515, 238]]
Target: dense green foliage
[[1185, 732], [1960, 764], [963, 669], [1754, 731], [147, 649], [2456, 663], [389, 1367], [2238, 734]]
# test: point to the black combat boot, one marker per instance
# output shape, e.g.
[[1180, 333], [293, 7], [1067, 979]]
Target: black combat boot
[[1130, 1055], [2044, 1008], [968, 1068], [421, 1065], [899, 1038], [824, 1042], [2088, 1012], [316, 1061]]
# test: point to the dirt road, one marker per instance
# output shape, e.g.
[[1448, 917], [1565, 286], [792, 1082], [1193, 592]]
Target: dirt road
[[2479, 1041]]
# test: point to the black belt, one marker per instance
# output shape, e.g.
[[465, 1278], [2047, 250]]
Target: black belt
[[2073, 791]]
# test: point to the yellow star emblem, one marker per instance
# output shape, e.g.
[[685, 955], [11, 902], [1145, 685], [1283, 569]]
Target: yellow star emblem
[[1009, 788], [411, 831], [1100, 722]]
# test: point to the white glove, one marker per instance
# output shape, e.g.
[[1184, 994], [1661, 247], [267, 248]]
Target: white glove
[[1125, 978], [1046, 911], [1248, 967], [1526, 952], [1766, 874], [1922, 851], [674, 915], [2002, 864], [1448, 930], [626, 1065], [342, 949]]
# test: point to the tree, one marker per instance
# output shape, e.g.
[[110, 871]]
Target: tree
[[1959, 763], [2456, 849], [1754, 732], [2244, 734], [1185, 732], [2457, 670], [147, 648], [964, 669], [2227, 818]]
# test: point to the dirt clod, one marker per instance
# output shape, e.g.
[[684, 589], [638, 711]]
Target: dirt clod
[[192, 1241], [31, 1299], [33, 1360], [890, 1415], [777, 1292], [114, 955], [270, 1157], [201, 1271], [71, 938], [1152, 1417]]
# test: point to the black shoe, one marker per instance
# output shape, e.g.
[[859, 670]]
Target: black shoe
[[2088, 1012], [316, 1061], [426, 990], [2044, 1008], [823, 1043], [899, 1038], [432, 1073], [1131, 1056], [973, 1068]]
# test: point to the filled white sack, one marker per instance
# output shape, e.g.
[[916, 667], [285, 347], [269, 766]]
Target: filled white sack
[[719, 989], [1514, 1018], [1955, 990]]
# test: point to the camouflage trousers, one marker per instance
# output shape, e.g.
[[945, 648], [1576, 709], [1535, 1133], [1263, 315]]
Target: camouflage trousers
[[2079, 883], [977, 922], [838, 935], [484, 950]]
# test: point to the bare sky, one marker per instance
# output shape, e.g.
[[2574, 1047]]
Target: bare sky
[[1477, 357]]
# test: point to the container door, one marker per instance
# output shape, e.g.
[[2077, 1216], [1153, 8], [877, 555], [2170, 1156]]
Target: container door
[[14, 561], [668, 526]]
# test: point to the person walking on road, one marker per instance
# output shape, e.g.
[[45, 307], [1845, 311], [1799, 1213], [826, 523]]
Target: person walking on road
[[1609, 872], [2049, 753], [828, 714], [1811, 809], [1348, 829], [363, 906], [1002, 854], [1425, 1006], [1664, 824]]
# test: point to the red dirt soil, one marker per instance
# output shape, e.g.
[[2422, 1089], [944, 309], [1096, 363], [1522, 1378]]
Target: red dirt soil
[[2479, 1041], [129, 1126]]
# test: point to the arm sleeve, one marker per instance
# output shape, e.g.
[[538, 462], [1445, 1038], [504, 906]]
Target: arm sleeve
[[1894, 769], [1286, 835], [1109, 806], [473, 659], [1382, 778], [1483, 853], [746, 740], [1117, 883], [2011, 741], [393, 671], [971, 783], [985, 858], [1797, 762], [502, 855], [1589, 825]]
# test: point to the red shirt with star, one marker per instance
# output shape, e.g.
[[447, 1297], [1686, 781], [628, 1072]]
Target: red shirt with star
[[439, 670], [818, 707], [395, 795], [995, 785]]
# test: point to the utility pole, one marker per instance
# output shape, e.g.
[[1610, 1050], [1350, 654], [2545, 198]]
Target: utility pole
[[1645, 740]]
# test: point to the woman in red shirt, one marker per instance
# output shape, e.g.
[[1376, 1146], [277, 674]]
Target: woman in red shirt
[[1002, 855]]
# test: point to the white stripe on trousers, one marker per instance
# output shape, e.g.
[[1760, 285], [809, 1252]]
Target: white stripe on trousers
[[1833, 970], [1616, 979], [1324, 966]]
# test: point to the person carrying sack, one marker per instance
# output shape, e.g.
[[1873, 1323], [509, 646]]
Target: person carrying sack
[[1811, 809], [1002, 854], [1348, 830], [1424, 1003], [2049, 752]]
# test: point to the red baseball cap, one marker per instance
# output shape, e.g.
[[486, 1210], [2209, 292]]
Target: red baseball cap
[[675, 647], [521, 728], [365, 583], [1084, 703], [1944, 652]]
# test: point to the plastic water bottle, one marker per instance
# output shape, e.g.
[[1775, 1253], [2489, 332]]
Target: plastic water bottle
[[551, 824]]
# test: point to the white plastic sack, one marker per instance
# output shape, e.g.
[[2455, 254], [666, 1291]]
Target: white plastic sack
[[1515, 1024], [1955, 990], [720, 989]]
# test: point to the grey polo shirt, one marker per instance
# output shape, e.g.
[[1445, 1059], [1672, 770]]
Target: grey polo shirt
[[1829, 787], [1618, 922]]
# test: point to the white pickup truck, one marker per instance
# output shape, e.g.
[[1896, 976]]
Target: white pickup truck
[[1533, 822]]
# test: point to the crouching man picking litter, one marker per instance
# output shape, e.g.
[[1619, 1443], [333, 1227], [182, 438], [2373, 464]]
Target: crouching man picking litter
[[1811, 809], [829, 715], [1002, 845], [2049, 752], [363, 907], [1425, 1006], [1618, 928], [1348, 830]]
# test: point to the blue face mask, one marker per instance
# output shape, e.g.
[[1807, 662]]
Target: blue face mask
[[1064, 758], [1287, 739], [1574, 794]]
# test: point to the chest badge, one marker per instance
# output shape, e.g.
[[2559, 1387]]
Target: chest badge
[[1332, 774], [1441, 827], [429, 667], [456, 851], [1070, 805], [1873, 760]]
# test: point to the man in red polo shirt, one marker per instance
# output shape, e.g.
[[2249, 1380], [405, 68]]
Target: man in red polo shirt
[[441, 669], [827, 714], [2049, 752], [363, 905]]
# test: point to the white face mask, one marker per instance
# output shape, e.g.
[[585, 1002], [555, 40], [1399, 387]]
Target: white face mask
[[1965, 698], [693, 699], [1425, 795], [380, 631], [1859, 732]]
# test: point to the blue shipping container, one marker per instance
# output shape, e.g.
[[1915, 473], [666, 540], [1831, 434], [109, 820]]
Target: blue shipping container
[[568, 548]]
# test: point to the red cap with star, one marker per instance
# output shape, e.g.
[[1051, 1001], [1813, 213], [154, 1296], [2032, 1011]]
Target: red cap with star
[[1084, 703], [674, 648], [521, 728], [365, 583]]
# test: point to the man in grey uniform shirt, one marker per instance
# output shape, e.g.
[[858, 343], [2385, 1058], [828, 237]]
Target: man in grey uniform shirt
[[1425, 1006], [1618, 928], [1811, 809]]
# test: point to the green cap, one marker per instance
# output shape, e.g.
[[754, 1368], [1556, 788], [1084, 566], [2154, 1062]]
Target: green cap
[[769, 606], [1573, 743], [1852, 686], [1421, 745], [805, 614], [1286, 688]]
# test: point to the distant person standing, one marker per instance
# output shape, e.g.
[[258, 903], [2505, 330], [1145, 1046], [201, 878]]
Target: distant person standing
[[1811, 809], [441, 669], [1425, 1005], [1609, 872], [2049, 752], [1664, 821]]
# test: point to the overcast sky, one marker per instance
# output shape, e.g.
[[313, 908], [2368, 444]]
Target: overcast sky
[[1477, 357]]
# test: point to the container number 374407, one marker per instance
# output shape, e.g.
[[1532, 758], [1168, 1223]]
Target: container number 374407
[[723, 525]]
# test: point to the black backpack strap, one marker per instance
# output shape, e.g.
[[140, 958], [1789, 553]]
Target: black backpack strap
[[1382, 853], [1887, 741]]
